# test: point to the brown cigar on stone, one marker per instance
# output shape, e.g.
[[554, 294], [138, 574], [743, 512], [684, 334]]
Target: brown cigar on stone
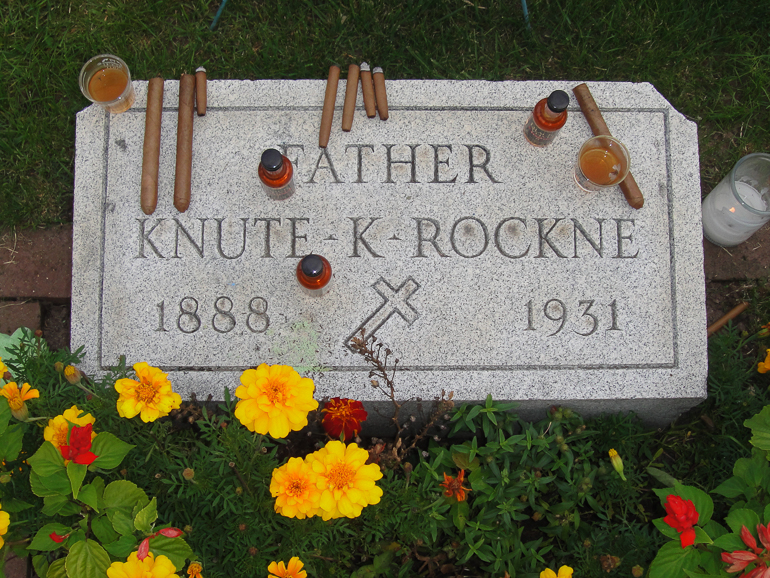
[[330, 97], [379, 92], [732, 314], [151, 149], [599, 127], [351, 92], [184, 138], [200, 91], [368, 89]]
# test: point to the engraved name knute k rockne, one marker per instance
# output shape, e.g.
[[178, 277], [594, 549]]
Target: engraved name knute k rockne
[[510, 237]]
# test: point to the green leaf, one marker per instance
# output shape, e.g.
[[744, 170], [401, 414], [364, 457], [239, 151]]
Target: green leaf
[[673, 560], [731, 488], [729, 542], [692, 574], [88, 496], [701, 537], [103, 530], [57, 569], [87, 560], [460, 458], [760, 428], [665, 529], [663, 477], [766, 515], [47, 460], [715, 530], [58, 482], [42, 540], [124, 494], [5, 414], [52, 505], [742, 517], [40, 564], [98, 484], [121, 522], [110, 450], [175, 549], [10, 442], [38, 488], [751, 470], [76, 473], [122, 547], [145, 518]]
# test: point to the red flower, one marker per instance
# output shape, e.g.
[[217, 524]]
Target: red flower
[[343, 415], [79, 450], [740, 559], [454, 486], [682, 516], [56, 538], [144, 547]]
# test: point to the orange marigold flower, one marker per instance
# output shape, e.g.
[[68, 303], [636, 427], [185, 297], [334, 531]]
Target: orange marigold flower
[[194, 570], [151, 397], [293, 570], [346, 481], [274, 400], [343, 415], [764, 366], [295, 488], [160, 567], [454, 486], [17, 397]]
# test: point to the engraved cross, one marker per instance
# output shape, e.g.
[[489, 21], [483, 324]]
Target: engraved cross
[[396, 301]]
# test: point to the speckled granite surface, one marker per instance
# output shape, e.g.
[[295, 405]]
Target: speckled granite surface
[[472, 254]]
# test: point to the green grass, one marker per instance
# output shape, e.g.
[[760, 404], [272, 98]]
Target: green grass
[[709, 58]]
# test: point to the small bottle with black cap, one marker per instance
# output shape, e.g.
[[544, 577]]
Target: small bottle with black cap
[[546, 120], [314, 275], [277, 175]]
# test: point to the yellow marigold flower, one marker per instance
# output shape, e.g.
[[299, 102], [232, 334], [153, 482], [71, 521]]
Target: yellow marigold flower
[[295, 487], [617, 463], [58, 428], [72, 374], [293, 570], [5, 521], [150, 567], [764, 365], [194, 570], [3, 368], [274, 400], [347, 484], [564, 572], [151, 397], [16, 398]]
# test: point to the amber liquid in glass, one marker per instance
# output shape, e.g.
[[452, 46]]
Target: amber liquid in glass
[[278, 184], [543, 124], [315, 285], [601, 166], [107, 84]]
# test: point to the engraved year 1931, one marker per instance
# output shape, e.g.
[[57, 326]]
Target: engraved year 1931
[[587, 318], [223, 320]]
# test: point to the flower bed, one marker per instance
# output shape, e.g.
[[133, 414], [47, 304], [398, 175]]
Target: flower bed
[[121, 478]]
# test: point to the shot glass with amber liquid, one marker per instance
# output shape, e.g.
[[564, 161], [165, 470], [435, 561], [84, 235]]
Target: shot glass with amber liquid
[[603, 162], [314, 274], [276, 174], [106, 81]]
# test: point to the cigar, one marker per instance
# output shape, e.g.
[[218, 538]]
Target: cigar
[[599, 127], [200, 91], [329, 100], [151, 149], [379, 92], [184, 136], [368, 89], [732, 314], [351, 91]]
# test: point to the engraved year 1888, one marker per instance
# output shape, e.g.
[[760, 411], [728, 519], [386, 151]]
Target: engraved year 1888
[[192, 314], [590, 315]]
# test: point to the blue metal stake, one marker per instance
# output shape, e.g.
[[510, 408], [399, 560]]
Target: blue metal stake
[[523, 7], [222, 7]]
